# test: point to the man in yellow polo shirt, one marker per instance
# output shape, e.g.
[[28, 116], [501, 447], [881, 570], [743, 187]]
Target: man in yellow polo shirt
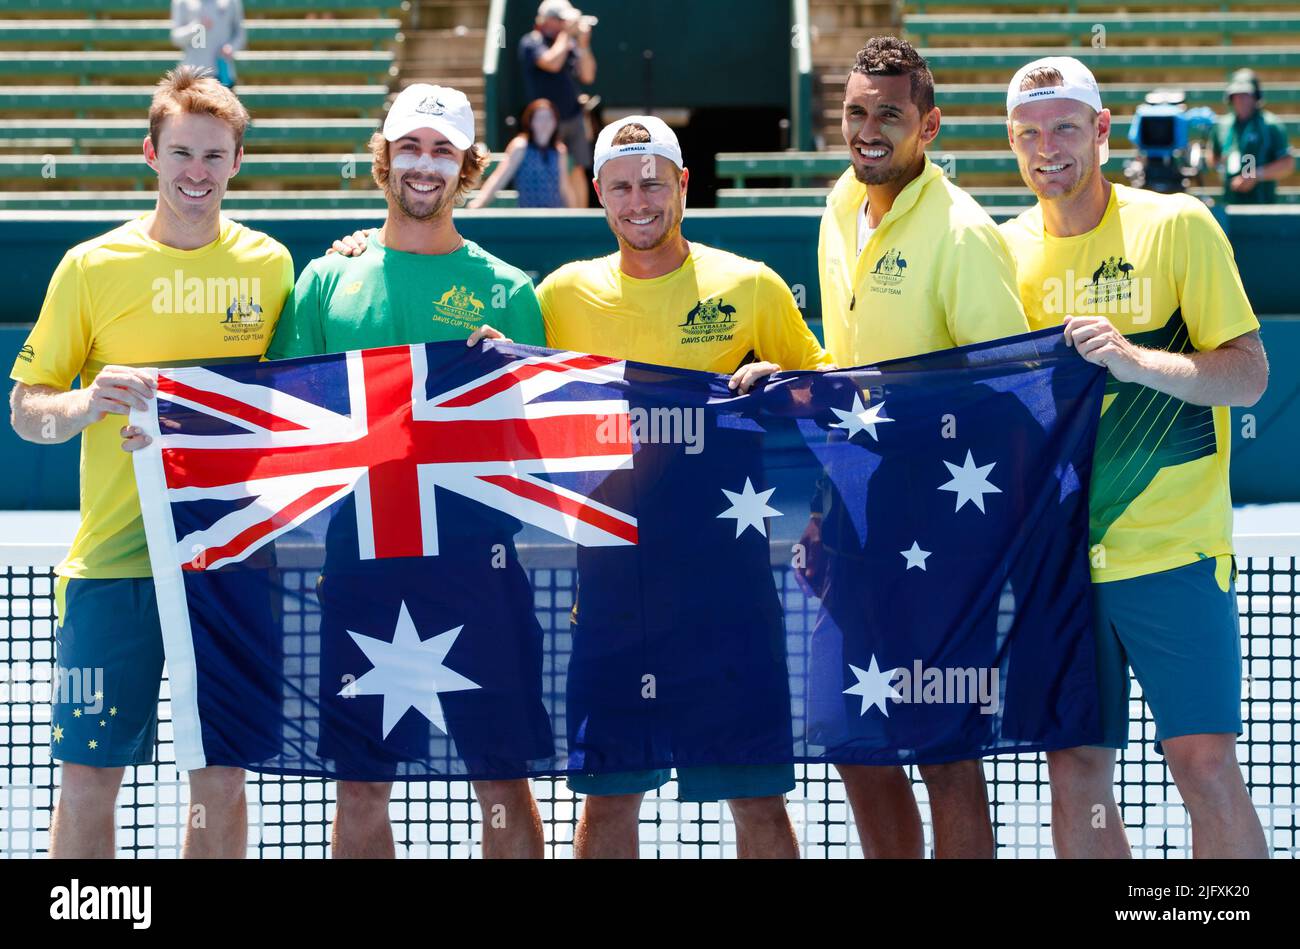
[[180, 285], [1146, 286], [663, 300], [909, 264]]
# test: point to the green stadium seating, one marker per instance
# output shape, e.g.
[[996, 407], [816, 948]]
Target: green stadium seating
[[294, 99], [1124, 59], [77, 76], [341, 168], [74, 168], [158, 32], [366, 199], [989, 197], [961, 130], [370, 63], [803, 167], [1054, 7], [77, 132], [253, 6], [1125, 95]]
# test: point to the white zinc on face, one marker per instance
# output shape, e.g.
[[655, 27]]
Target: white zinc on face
[[444, 168]]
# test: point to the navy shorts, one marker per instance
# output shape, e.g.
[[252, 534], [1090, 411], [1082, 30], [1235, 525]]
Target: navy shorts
[[1179, 631], [108, 673]]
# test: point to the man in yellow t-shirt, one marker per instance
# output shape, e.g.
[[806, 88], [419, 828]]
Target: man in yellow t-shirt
[[1146, 286], [663, 300], [181, 284], [909, 264]]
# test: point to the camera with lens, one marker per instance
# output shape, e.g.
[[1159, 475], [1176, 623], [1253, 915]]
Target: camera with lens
[[1170, 140], [575, 17]]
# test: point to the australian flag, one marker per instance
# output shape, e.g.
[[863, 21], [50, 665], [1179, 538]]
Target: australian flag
[[434, 561]]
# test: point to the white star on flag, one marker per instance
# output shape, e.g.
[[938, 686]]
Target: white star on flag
[[970, 483], [915, 556], [749, 507], [860, 418], [409, 673], [873, 685]]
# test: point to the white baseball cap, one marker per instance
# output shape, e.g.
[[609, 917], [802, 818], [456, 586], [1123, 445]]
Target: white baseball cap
[[663, 142], [1078, 83], [441, 108], [555, 8]]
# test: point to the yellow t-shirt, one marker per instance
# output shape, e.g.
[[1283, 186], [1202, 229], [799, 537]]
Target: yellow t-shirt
[[124, 299], [934, 274], [1162, 271], [712, 313]]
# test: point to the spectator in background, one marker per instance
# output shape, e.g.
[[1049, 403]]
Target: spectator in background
[[1250, 145], [536, 160], [554, 58], [209, 33]]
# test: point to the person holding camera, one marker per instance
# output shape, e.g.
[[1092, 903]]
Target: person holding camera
[[555, 57]]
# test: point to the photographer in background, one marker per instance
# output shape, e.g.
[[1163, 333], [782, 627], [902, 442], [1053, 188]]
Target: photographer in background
[[1250, 145], [555, 57]]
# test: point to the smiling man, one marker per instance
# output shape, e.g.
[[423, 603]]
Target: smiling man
[[909, 264], [182, 284], [664, 300], [1145, 285], [419, 281]]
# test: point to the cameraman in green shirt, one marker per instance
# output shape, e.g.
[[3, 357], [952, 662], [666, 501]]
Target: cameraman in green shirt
[[1250, 145]]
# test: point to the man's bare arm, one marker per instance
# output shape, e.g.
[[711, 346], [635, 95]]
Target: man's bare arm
[[1235, 374], [586, 59], [1278, 169], [554, 58], [48, 416]]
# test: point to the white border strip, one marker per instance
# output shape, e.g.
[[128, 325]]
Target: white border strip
[[169, 585], [1266, 545], [32, 555]]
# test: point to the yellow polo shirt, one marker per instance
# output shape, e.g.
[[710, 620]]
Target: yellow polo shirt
[[934, 275], [1160, 268], [714, 313], [124, 299]]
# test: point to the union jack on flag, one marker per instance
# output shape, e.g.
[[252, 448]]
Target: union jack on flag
[[279, 458]]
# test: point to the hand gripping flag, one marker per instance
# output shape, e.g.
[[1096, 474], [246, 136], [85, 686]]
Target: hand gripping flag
[[433, 561]]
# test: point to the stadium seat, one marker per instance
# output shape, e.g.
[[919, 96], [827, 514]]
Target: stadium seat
[[139, 33], [804, 167], [78, 132], [259, 6], [74, 169], [922, 29], [374, 64], [989, 197], [1114, 60], [367, 198], [1126, 95], [294, 100], [1054, 7]]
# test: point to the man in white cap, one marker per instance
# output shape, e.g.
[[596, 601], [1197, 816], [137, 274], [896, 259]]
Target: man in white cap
[[909, 264], [420, 281], [1146, 286], [644, 303]]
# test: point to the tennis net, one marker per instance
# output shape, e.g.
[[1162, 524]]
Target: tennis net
[[290, 816]]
